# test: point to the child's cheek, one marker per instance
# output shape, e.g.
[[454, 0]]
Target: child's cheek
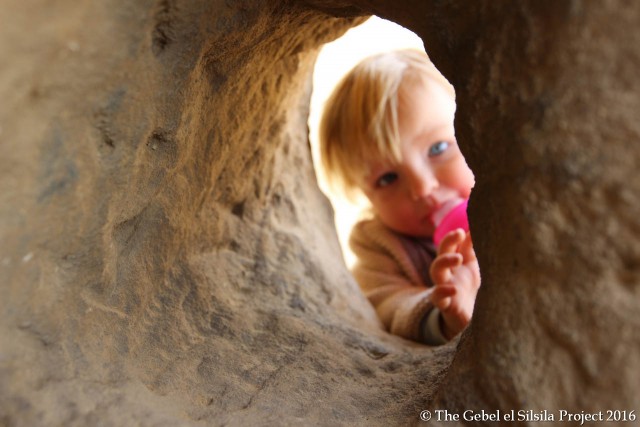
[[457, 174], [386, 195]]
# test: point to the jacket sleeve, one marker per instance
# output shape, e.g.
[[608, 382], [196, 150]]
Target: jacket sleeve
[[391, 282]]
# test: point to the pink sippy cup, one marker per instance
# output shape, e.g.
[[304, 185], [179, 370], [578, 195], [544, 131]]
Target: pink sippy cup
[[455, 218]]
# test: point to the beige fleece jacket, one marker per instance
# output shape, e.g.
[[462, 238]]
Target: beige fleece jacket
[[393, 272]]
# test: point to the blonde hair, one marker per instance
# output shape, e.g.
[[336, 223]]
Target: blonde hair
[[360, 119]]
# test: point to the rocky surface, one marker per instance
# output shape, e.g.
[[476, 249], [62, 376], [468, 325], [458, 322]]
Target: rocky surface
[[166, 257]]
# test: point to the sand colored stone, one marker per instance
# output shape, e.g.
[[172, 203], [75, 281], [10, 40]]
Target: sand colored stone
[[166, 257]]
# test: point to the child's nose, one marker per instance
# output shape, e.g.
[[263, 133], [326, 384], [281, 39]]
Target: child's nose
[[422, 183]]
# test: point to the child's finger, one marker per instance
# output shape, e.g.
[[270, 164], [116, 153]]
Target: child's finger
[[466, 249], [451, 241], [443, 304], [441, 296], [440, 269]]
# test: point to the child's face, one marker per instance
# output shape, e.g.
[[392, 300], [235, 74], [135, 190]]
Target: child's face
[[432, 171]]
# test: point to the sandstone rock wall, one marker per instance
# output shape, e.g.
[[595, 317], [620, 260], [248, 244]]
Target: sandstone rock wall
[[167, 259], [546, 95]]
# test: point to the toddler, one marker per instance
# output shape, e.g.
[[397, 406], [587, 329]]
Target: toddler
[[387, 131]]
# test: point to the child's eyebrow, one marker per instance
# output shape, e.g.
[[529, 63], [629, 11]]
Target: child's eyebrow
[[445, 127], [377, 169]]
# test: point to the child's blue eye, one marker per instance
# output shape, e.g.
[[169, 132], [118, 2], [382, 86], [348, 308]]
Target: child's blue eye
[[386, 179], [438, 148]]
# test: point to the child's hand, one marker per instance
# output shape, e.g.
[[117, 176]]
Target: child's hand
[[456, 275]]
